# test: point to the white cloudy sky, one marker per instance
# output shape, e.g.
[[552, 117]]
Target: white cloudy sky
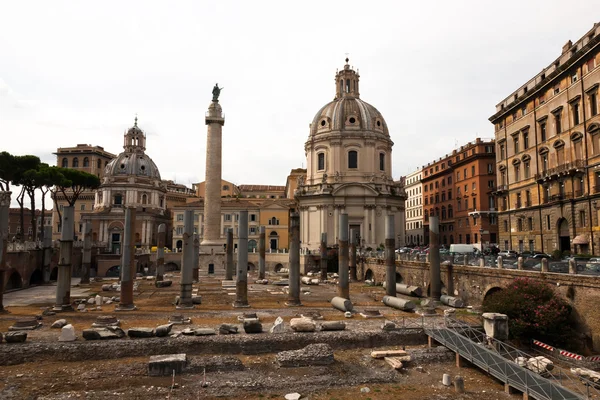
[[78, 72]]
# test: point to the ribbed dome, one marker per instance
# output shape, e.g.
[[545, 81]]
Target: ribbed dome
[[134, 163], [348, 113]]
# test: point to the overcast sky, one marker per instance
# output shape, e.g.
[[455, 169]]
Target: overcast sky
[[77, 72]]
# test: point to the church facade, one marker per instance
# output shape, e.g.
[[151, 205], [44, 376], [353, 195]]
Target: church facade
[[349, 170]]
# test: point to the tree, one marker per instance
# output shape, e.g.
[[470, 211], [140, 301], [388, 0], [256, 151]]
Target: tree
[[21, 166], [7, 170], [71, 183], [534, 310]]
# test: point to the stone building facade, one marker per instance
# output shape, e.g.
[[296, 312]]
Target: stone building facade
[[458, 189], [86, 158], [131, 179], [548, 153], [414, 208], [349, 170]]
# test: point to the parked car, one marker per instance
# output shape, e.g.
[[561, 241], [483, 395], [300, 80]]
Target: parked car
[[540, 255], [508, 254]]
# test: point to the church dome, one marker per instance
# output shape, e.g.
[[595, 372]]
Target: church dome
[[347, 112], [132, 164], [133, 161]]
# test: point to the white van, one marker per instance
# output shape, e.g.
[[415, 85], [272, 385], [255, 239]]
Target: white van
[[462, 249]]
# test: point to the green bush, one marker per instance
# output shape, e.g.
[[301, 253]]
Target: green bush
[[556, 255], [534, 311], [566, 253]]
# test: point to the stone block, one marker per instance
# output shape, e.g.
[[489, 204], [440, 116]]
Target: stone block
[[107, 333], [163, 330], [140, 332], [341, 304], [302, 325], [252, 326], [388, 326], [278, 326], [164, 365], [452, 301], [15, 337], [196, 299], [388, 353], [333, 326], [204, 332], [105, 321], [25, 324], [311, 355], [227, 329], [161, 284], [67, 334], [393, 362], [59, 323], [495, 325]]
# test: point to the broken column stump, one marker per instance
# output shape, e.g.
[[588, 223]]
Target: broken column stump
[[164, 365]]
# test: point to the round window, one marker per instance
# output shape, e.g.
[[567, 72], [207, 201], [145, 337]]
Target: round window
[[122, 166], [323, 123], [143, 167], [352, 120]]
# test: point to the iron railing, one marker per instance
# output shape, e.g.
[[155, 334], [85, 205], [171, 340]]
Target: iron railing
[[498, 359]]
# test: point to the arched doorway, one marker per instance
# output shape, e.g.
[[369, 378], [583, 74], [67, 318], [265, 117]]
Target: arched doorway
[[273, 240], [251, 267], [369, 275], [171, 266], [278, 267], [251, 245], [398, 277], [14, 281], [564, 240], [179, 245], [36, 278], [491, 291], [114, 271]]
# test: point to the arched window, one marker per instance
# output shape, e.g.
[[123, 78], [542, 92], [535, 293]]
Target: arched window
[[144, 199], [320, 161], [273, 221], [352, 159], [99, 164], [86, 162], [65, 163], [75, 162], [382, 162]]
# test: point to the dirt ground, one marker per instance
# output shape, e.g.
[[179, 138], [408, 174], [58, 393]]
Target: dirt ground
[[261, 378]]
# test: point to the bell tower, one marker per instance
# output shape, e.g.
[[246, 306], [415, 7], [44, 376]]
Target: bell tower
[[346, 82], [135, 139]]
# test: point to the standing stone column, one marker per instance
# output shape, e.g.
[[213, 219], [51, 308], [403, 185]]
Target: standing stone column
[[86, 262], [187, 262], [294, 261], [261, 253], [344, 285], [324, 256], [241, 282], [63, 287], [128, 262], [435, 286], [160, 252], [47, 253], [353, 276], [4, 211], [196, 258], [390, 262], [229, 249], [212, 197]]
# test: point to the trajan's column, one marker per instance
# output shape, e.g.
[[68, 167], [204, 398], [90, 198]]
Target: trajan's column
[[212, 249]]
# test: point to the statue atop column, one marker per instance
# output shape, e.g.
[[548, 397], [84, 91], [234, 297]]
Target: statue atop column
[[216, 92]]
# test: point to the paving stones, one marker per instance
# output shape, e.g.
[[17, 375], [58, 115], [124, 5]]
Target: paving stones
[[140, 332], [59, 323], [163, 330], [67, 334], [164, 365], [15, 337], [107, 333], [311, 355], [227, 329]]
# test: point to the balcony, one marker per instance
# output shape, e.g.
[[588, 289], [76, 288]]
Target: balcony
[[569, 168], [562, 196], [501, 189]]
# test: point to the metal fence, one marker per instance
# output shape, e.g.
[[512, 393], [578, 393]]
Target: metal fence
[[497, 359]]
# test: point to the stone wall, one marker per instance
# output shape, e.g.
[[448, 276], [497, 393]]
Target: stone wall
[[472, 284]]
